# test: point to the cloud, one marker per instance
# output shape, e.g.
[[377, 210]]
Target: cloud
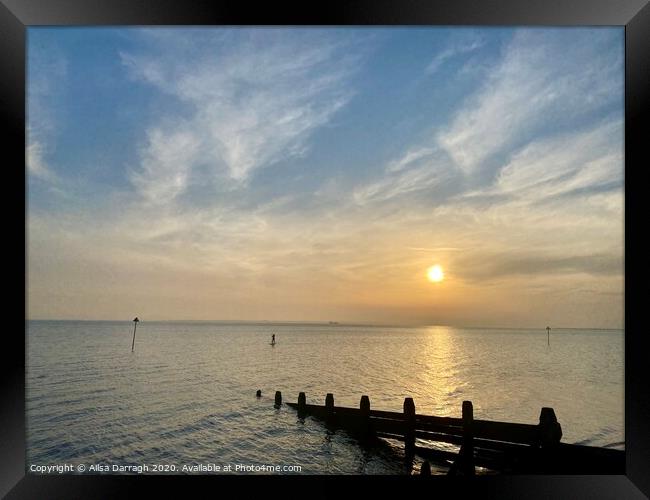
[[434, 249], [165, 164], [250, 106], [423, 169], [496, 266], [523, 128], [36, 165], [408, 159], [545, 80], [567, 163], [462, 45], [47, 73]]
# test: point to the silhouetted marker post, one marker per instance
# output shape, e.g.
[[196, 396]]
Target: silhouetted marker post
[[135, 325], [278, 399], [258, 393], [548, 335]]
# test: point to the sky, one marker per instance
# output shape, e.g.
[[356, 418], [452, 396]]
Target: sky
[[317, 174]]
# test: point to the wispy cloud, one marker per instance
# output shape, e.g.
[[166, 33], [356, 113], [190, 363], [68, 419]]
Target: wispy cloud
[[36, 165], [461, 45], [409, 159], [566, 163], [543, 81], [165, 163], [250, 107], [47, 73], [416, 171], [521, 134], [434, 249], [531, 263]]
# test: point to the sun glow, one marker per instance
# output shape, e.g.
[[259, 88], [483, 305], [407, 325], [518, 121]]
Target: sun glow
[[435, 274]]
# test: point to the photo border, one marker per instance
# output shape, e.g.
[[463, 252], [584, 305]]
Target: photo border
[[17, 15]]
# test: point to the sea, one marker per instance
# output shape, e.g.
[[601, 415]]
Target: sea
[[184, 401]]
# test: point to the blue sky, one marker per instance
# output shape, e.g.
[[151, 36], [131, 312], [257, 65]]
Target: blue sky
[[289, 173]]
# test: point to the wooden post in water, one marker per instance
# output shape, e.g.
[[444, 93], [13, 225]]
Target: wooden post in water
[[550, 430], [425, 468], [409, 423], [278, 399], [550, 433], [364, 407], [302, 404], [135, 325], [329, 407], [548, 335], [258, 394], [467, 449]]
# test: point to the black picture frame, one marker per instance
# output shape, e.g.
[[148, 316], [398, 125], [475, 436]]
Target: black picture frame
[[17, 15]]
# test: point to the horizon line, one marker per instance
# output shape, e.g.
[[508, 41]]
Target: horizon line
[[330, 322]]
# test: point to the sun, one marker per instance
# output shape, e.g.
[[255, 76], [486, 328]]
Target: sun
[[435, 274]]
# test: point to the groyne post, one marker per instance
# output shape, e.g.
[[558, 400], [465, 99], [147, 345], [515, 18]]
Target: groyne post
[[409, 424], [278, 399], [550, 433], [364, 407], [329, 407], [302, 404], [467, 448], [550, 430]]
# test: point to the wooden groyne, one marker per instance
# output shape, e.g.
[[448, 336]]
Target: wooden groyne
[[499, 446]]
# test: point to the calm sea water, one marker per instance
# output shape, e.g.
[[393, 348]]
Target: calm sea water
[[186, 396]]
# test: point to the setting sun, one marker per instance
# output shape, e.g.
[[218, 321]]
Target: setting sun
[[435, 274]]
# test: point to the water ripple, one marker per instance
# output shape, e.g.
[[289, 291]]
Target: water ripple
[[187, 395]]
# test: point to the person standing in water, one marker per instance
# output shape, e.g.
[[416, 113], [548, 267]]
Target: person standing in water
[[273, 339]]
